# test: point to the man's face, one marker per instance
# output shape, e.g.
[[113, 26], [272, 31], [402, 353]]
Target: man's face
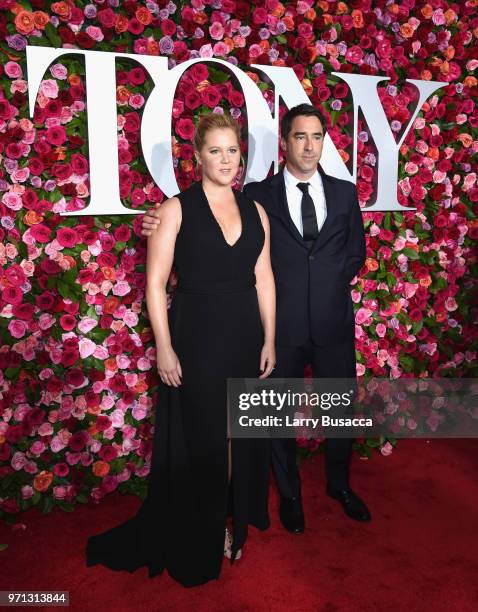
[[303, 146]]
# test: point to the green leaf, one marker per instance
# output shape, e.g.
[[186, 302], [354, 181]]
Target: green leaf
[[406, 362], [410, 253], [52, 35], [3, 546]]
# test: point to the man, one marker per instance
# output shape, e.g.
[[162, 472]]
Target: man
[[317, 247]]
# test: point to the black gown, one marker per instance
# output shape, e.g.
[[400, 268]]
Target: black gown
[[217, 333]]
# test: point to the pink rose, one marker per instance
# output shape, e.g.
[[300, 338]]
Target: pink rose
[[49, 88], [17, 328], [13, 70], [386, 449]]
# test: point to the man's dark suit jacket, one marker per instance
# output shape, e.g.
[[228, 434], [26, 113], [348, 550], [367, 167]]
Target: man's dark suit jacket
[[312, 283]]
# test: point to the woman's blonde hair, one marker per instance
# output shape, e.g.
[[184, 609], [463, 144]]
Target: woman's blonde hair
[[214, 121]]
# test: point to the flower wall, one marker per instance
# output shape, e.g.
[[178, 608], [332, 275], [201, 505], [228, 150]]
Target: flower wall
[[77, 356]]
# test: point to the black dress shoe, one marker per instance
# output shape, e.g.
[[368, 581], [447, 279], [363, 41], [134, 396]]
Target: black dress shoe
[[291, 514], [352, 504]]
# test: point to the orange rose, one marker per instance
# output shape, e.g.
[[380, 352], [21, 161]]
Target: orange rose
[[307, 85], [427, 11], [186, 165], [111, 305], [328, 19], [344, 155], [42, 481], [144, 16], [153, 47], [71, 260], [40, 19], [465, 139], [289, 23], [176, 149], [357, 18], [342, 9], [265, 46], [406, 30], [121, 24], [310, 14], [109, 273], [111, 365], [74, 79], [93, 410], [278, 11], [433, 153], [101, 468], [323, 4], [425, 282], [450, 16], [470, 81], [200, 18], [426, 75], [32, 218], [450, 52], [371, 264], [122, 94], [202, 85], [62, 8], [24, 22], [140, 386]]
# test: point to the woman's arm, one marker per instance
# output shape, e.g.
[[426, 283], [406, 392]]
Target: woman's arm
[[159, 260], [266, 294]]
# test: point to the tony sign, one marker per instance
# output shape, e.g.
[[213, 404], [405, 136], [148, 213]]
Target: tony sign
[[262, 126]]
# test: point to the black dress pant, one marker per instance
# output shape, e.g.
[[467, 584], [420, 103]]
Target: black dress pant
[[334, 361]]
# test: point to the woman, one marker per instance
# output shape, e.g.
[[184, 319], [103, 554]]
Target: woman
[[220, 325]]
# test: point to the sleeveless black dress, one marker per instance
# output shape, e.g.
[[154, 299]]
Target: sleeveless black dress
[[217, 334]]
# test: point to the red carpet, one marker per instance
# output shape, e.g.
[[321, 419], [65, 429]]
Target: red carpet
[[418, 553]]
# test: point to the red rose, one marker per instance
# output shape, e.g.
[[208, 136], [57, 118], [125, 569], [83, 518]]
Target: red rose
[[67, 237], [199, 72], [12, 295], [210, 96], [79, 163], [23, 311], [107, 17], [67, 322], [77, 441], [36, 166], [185, 128], [236, 98], [75, 377], [56, 135], [102, 421], [108, 453], [62, 171], [15, 274], [168, 27], [192, 100], [132, 123], [136, 76]]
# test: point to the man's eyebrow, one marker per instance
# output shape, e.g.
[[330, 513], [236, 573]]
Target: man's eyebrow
[[302, 133]]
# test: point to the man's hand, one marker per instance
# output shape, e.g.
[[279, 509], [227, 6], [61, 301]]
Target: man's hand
[[150, 221]]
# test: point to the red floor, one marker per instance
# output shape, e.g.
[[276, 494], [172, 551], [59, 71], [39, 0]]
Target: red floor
[[420, 551]]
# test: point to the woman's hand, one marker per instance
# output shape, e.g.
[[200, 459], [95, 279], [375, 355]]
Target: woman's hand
[[151, 221], [268, 359], [169, 367]]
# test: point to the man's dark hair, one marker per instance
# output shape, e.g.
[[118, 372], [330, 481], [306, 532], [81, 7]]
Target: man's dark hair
[[307, 110]]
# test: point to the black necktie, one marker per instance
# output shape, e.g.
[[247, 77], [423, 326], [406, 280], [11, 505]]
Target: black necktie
[[309, 218]]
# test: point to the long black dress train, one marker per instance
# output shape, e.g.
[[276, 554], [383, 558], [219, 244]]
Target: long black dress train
[[217, 333]]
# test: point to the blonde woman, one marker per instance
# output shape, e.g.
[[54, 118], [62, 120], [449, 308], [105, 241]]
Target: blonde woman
[[220, 325]]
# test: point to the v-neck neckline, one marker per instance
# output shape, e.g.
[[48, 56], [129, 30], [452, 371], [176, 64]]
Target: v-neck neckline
[[217, 222]]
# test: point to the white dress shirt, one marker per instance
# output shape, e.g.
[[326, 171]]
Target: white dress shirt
[[294, 198]]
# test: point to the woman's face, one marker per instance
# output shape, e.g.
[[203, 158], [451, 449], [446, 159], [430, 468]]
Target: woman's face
[[220, 156]]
